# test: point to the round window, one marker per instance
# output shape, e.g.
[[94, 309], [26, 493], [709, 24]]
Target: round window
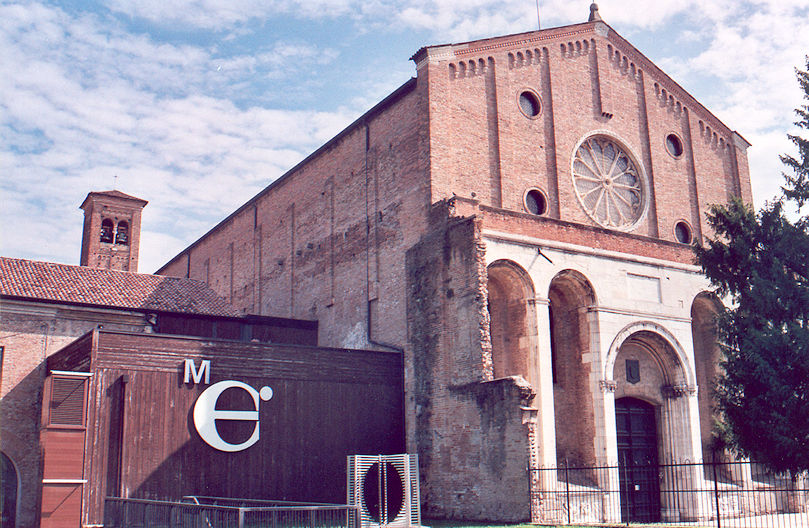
[[535, 202], [674, 146], [682, 231], [529, 104], [608, 184]]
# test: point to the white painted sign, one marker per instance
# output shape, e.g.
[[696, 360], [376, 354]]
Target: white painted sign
[[205, 413], [191, 371]]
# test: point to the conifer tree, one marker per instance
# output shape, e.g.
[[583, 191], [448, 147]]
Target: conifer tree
[[759, 262]]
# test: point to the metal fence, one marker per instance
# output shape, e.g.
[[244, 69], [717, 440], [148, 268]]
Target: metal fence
[[213, 512], [721, 494]]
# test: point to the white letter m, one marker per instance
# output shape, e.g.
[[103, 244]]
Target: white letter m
[[191, 371]]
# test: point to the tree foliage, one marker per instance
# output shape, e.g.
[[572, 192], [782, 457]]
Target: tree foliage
[[759, 262]]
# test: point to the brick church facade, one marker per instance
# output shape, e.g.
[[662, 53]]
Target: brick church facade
[[513, 224], [516, 221]]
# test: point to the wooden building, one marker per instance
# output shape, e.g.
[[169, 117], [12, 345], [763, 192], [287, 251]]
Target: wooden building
[[122, 416]]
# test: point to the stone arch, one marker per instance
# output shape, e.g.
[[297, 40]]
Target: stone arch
[[674, 360], [512, 321], [646, 362], [570, 294], [10, 494], [704, 310]]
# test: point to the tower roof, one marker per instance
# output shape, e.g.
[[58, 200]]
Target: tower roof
[[113, 194]]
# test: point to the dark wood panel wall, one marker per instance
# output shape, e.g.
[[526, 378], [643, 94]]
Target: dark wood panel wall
[[326, 404]]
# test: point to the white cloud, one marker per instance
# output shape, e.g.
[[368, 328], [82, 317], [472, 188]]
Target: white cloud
[[225, 14], [189, 127], [88, 102], [754, 65]]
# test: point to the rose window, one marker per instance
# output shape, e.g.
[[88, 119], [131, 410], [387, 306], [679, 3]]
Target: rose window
[[607, 183]]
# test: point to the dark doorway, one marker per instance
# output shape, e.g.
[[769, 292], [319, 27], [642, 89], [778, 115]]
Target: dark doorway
[[9, 494], [636, 428]]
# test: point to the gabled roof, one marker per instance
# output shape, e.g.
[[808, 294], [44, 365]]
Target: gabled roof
[[113, 194], [51, 282]]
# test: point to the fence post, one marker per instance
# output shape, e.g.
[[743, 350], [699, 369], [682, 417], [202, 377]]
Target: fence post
[[241, 517], [567, 491], [716, 491], [628, 494]]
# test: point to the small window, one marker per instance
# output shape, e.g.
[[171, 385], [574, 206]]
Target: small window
[[674, 146], [67, 401], [682, 231], [106, 231], [122, 235], [535, 202], [529, 104]]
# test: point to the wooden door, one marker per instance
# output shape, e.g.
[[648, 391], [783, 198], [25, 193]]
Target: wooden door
[[638, 467]]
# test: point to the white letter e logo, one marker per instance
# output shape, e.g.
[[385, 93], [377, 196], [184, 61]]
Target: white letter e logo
[[205, 414]]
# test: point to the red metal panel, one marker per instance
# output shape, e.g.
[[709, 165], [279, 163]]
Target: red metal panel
[[61, 505]]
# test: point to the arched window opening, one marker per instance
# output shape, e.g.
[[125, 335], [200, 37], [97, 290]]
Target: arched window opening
[[122, 234], [106, 231], [569, 296], [512, 320], [9, 493]]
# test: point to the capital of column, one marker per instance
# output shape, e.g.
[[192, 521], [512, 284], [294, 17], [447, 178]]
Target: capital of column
[[607, 385], [678, 389]]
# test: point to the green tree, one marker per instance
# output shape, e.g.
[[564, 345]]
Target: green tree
[[760, 263]]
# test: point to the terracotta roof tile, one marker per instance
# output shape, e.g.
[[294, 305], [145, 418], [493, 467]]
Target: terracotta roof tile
[[116, 289]]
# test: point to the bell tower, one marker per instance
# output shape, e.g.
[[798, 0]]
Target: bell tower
[[111, 236]]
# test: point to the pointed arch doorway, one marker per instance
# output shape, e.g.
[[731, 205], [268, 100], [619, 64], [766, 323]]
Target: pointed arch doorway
[[636, 430]]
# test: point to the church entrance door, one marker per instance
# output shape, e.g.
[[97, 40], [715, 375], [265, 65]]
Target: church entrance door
[[636, 428]]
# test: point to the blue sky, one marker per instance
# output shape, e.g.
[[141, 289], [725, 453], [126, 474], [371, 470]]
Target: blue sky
[[196, 105]]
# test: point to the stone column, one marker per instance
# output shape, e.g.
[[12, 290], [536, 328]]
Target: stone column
[[681, 448], [542, 379], [607, 450]]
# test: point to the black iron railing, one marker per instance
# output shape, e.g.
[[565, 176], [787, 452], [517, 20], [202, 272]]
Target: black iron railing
[[213, 512], [721, 494]]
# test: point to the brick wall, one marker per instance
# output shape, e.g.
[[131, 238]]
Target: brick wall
[[482, 146], [32, 332], [469, 431], [350, 236], [327, 240]]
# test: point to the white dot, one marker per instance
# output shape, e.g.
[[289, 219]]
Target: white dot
[[265, 393]]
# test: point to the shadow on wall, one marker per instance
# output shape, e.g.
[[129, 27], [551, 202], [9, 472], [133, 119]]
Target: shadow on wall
[[20, 417], [300, 456]]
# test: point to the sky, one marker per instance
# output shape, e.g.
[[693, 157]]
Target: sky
[[197, 105]]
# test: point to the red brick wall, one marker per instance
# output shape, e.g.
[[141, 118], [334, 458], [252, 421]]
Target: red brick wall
[[468, 430], [327, 241], [30, 333], [482, 146]]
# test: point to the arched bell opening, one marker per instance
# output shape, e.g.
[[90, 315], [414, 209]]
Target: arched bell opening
[[106, 231]]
